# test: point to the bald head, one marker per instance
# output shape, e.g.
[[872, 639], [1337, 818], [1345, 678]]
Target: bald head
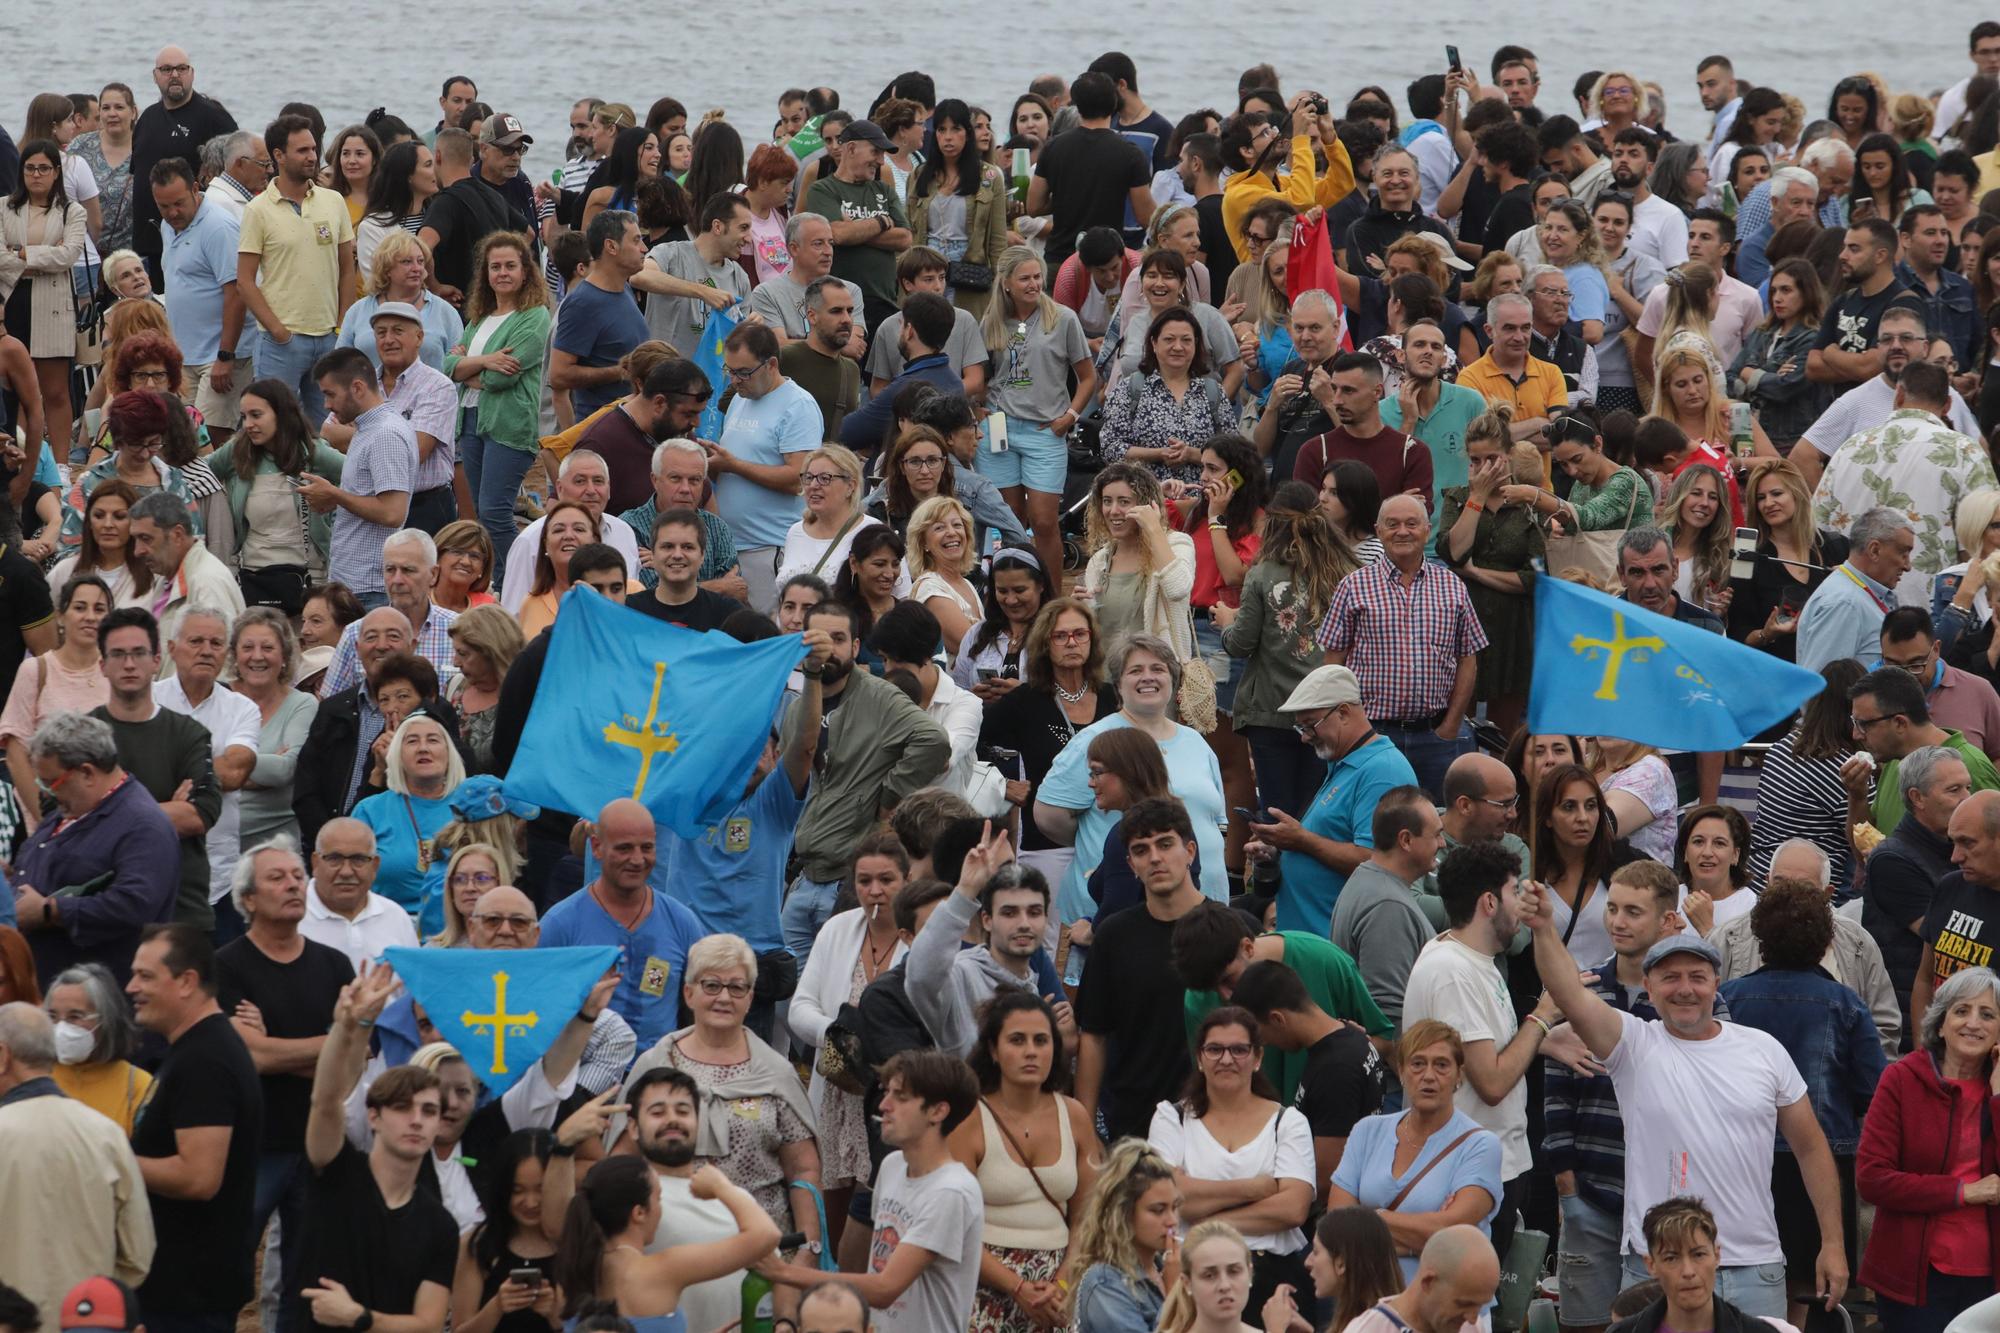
[[1975, 838], [624, 843], [497, 920], [1405, 504], [383, 631], [1404, 525], [1457, 1275], [173, 75], [833, 1306], [1478, 794]]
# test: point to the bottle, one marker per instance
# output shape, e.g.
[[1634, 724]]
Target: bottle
[[1742, 438], [1021, 174], [757, 1310]]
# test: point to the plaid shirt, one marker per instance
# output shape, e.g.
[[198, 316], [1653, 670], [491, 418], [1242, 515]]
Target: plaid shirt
[[428, 400], [433, 645], [1402, 643]]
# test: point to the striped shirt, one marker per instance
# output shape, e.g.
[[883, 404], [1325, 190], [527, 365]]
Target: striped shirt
[[1403, 644], [1800, 798]]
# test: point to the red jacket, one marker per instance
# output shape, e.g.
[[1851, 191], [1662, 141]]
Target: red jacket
[[1902, 1167]]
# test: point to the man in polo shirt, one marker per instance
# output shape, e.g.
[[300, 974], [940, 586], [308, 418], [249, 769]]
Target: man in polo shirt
[[652, 932], [203, 305], [1407, 628], [1959, 700], [1439, 410], [425, 398], [295, 264], [1892, 721], [342, 909], [1317, 854], [373, 497], [1509, 374], [1843, 617]]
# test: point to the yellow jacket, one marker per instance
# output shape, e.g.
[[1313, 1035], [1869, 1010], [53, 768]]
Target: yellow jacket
[[1302, 189]]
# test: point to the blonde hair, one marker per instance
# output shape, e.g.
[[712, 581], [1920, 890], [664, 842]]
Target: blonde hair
[[1976, 510], [1801, 531], [1524, 464], [1642, 101], [1711, 544], [1910, 116], [1101, 1232], [849, 466], [1272, 305], [454, 922], [390, 251], [930, 513], [994, 326], [713, 953], [1177, 1315], [1691, 290], [491, 632], [116, 260], [1686, 352], [1495, 423], [454, 765]]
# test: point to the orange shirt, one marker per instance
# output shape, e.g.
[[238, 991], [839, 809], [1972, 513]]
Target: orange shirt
[[1538, 392]]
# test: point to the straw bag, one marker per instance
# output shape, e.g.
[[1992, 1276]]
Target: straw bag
[[1595, 553]]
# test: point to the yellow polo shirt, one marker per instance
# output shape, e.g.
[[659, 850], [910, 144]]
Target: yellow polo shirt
[[1539, 391], [299, 250]]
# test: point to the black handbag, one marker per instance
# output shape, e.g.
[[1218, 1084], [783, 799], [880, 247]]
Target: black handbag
[[972, 277], [281, 586]]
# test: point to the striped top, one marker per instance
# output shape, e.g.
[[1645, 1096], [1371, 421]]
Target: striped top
[[1799, 798]]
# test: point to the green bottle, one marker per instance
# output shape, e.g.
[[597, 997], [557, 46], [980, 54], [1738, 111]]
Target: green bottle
[[1021, 173], [757, 1312]]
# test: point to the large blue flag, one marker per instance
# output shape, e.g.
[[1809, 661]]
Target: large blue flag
[[632, 706], [501, 1008], [708, 356], [1606, 667]]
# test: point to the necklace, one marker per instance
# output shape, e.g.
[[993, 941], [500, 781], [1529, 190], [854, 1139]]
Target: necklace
[[1075, 696], [875, 959]]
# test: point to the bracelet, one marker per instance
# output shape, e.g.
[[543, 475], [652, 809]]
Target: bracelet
[[1542, 1023], [561, 1149], [1475, 506], [364, 1022], [585, 1019]]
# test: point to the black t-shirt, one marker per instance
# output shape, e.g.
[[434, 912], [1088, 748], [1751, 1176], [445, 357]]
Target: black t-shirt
[[707, 611], [463, 214], [1903, 875], [1091, 174], [1300, 418], [1216, 251], [202, 1261], [1962, 927], [1132, 997], [1852, 317], [1153, 135], [1511, 211], [296, 1000], [25, 596], [382, 1255], [162, 752], [163, 132], [1027, 720], [1342, 1083]]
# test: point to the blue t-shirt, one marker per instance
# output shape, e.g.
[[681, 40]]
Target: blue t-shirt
[[1589, 293], [1344, 811], [732, 878], [197, 262], [1195, 777], [399, 822], [597, 327], [652, 957], [1367, 1169], [763, 430]]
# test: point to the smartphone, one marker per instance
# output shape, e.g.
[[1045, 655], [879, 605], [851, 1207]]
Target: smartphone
[[988, 673], [1742, 553], [527, 1277], [1235, 479], [996, 432], [1451, 58], [1247, 815]]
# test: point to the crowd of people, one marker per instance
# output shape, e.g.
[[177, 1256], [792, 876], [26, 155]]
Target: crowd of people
[[1150, 910]]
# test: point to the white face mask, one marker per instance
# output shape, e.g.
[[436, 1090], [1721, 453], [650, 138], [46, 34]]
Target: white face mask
[[73, 1043]]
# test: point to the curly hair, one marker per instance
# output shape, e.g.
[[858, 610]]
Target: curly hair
[[1299, 538], [481, 301], [141, 347], [1793, 923], [1102, 1233], [1145, 489]]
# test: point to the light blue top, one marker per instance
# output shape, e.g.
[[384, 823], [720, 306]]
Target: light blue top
[[1344, 810], [1843, 618], [398, 822], [1109, 1302], [196, 263], [1192, 773], [732, 878], [652, 956], [1443, 433], [1589, 293], [597, 328], [762, 431], [1367, 1172], [443, 330]]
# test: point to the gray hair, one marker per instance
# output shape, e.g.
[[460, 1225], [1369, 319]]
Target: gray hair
[[243, 877], [340, 824], [28, 1034], [1957, 988], [273, 620], [165, 509], [237, 146], [1493, 307], [1877, 525], [1919, 768], [608, 228], [678, 445], [1538, 271], [1638, 541], [1325, 299], [205, 611], [75, 739], [416, 537], [117, 1034], [1121, 652], [1827, 152], [796, 227], [1825, 875], [575, 455], [1786, 179], [215, 156]]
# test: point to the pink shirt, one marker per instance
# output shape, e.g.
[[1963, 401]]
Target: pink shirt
[[1739, 311], [31, 700]]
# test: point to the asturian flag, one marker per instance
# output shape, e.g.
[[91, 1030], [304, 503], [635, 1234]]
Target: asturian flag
[[501, 1008]]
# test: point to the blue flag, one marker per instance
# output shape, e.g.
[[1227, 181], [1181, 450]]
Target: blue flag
[[1606, 667], [501, 1008], [632, 706], [708, 356]]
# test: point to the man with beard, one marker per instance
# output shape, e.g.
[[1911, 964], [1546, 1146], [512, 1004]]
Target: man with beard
[[1847, 352], [1358, 433], [1432, 411], [1455, 980], [1317, 854], [1950, 307], [818, 361], [1901, 337], [175, 126], [1658, 228], [1708, 1099]]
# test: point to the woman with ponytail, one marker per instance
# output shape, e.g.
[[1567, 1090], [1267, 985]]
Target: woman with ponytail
[[1122, 1251], [1214, 1289]]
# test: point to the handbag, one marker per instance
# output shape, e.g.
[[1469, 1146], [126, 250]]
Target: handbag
[[281, 586], [840, 1062], [1196, 699], [1593, 553], [972, 277]]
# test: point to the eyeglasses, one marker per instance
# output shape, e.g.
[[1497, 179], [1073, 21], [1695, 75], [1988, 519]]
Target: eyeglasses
[[1553, 296], [478, 877], [173, 69], [1509, 803], [743, 372], [339, 859], [496, 921], [822, 478], [710, 987], [923, 464], [1902, 339], [1253, 238], [37, 169], [1069, 636], [158, 377], [1615, 89], [1861, 724], [1238, 1051], [128, 654], [1308, 730]]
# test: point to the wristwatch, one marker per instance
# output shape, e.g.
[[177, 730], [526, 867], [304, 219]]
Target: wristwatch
[[364, 1323], [224, 354]]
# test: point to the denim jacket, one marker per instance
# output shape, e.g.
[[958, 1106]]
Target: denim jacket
[[1830, 1035], [1109, 1302]]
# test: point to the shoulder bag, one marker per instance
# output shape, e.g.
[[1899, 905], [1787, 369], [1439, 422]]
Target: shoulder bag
[[1197, 693], [281, 586], [1594, 553], [1449, 1149]]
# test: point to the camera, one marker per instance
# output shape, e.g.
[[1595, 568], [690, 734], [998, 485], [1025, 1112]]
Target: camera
[[1317, 101]]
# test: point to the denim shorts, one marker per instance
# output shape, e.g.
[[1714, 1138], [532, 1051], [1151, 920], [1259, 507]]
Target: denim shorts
[[1587, 1273], [1227, 670], [1035, 457]]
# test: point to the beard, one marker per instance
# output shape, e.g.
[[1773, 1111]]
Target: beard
[[1626, 180], [834, 671], [670, 1153]]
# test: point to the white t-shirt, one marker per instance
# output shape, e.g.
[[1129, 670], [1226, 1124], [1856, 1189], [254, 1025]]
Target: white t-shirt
[[803, 552], [1465, 988], [1728, 909], [943, 1212], [81, 184], [686, 1220], [1283, 1149], [1701, 1117], [1660, 230], [231, 719], [1866, 406]]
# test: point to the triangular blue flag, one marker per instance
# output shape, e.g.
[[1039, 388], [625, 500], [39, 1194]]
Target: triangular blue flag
[[1607, 667], [632, 706], [501, 1008], [708, 356]]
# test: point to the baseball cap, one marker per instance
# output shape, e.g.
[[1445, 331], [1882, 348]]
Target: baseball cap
[[100, 1302], [866, 131], [483, 796], [504, 131], [1443, 247], [617, 113], [1674, 944], [396, 310], [1324, 687]]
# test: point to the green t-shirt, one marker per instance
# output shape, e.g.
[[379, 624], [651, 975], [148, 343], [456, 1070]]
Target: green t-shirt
[[1333, 982], [1888, 808], [869, 267]]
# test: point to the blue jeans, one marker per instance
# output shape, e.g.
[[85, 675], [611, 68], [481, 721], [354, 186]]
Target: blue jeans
[[1289, 774], [229, 923], [1429, 753], [281, 1189], [372, 601], [1758, 1290], [1587, 1273], [293, 363], [806, 909], [494, 471]]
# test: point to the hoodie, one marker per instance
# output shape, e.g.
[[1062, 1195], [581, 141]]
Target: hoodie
[[947, 984]]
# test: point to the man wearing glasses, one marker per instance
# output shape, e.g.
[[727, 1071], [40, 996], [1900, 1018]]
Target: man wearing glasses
[[469, 204], [342, 909], [175, 126], [770, 426], [1902, 339], [1892, 720]]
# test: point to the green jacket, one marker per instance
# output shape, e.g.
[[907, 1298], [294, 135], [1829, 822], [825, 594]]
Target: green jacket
[[327, 462], [985, 226], [877, 748], [1276, 642], [510, 406]]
